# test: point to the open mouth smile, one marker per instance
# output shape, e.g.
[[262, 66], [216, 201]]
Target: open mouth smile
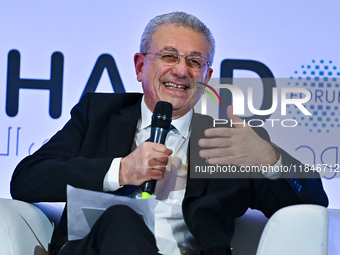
[[174, 86]]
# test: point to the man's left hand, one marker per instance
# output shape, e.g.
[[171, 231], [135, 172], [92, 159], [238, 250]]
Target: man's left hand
[[239, 146]]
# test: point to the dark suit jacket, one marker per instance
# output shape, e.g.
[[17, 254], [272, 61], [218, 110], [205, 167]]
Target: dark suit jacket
[[102, 127]]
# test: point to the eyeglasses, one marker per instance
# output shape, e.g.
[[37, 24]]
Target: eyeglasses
[[193, 62]]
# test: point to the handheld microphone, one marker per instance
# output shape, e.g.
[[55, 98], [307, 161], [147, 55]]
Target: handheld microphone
[[160, 125]]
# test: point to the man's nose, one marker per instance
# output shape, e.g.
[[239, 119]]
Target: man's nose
[[181, 69]]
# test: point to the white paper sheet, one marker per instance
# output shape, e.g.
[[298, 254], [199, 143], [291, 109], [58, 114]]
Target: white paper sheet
[[84, 207]]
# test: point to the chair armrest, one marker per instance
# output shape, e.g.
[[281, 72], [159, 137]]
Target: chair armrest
[[24, 229], [301, 230]]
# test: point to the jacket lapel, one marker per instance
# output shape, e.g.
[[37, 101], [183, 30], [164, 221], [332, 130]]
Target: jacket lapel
[[196, 186], [122, 129]]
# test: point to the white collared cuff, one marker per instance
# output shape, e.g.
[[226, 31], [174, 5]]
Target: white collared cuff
[[111, 179]]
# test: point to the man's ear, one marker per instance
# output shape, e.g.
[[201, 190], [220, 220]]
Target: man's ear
[[208, 75], [139, 65]]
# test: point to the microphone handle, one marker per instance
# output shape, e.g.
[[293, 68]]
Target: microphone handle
[[149, 186], [158, 135]]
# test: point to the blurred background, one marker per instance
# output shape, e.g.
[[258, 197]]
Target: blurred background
[[293, 39]]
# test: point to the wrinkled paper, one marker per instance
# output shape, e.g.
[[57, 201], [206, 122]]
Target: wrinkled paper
[[84, 207]]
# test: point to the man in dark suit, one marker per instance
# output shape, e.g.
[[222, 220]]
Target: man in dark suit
[[102, 148]]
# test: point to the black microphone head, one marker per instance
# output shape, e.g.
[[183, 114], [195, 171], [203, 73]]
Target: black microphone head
[[163, 108], [162, 115]]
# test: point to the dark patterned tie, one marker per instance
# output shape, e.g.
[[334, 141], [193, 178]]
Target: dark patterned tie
[[130, 190]]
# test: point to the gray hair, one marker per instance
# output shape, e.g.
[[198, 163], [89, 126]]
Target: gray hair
[[181, 19]]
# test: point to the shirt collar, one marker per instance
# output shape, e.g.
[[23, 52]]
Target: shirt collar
[[182, 124]]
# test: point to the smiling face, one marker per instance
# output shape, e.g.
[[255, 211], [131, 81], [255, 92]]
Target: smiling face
[[162, 82]]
